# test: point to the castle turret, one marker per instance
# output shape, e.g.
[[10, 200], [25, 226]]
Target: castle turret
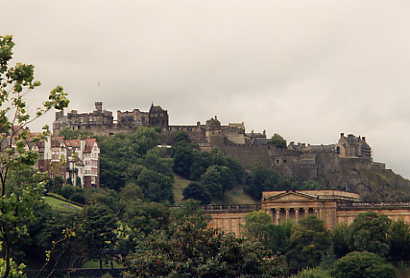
[[99, 106]]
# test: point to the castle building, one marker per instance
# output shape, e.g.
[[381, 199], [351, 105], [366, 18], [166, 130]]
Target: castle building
[[332, 206], [101, 122], [352, 146]]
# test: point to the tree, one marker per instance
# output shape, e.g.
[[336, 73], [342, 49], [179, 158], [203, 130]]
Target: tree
[[15, 84], [399, 238], [70, 134], [309, 243], [155, 186], [217, 179], [197, 191], [122, 157], [189, 249], [200, 163], [369, 232], [362, 265], [341, 235], [258, 226], [97, 230], [312, 273], [277, 141], [182, 155], [260, 180]]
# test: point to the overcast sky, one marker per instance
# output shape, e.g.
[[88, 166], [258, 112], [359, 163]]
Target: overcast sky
[[306, 69]]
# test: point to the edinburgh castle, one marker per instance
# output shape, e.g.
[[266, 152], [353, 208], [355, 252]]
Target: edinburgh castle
[[323, 163]]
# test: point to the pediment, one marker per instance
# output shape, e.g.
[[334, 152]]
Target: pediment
[[291, 196]]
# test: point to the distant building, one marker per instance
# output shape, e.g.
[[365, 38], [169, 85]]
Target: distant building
[[332, 206], [76, 161]]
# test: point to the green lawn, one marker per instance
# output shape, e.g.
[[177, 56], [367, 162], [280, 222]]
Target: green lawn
[[179, 186], [60, 205]]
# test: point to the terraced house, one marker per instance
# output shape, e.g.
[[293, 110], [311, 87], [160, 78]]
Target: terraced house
[[76, 161]]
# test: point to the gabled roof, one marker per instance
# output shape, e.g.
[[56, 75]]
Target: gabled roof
[[73, 143], [290, 196], [89, 144]]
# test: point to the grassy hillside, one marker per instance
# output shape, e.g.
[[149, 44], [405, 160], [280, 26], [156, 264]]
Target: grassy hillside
[[237, 196], [61, 206], [233, 196], [178, 187]]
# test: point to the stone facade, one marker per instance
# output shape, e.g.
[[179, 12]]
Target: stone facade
[[101, 122], [332, 206], [77, 161]]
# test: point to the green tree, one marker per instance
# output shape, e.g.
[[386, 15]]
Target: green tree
[[200, 163], [197, 191], [341, 235], [217, 179], [16, 82], [122, 156], [155, 186], [312, 273], [189, 249], [70, 134], [183, 154], [362, 265], [258, 226], [97, 230], [399, 238], [260, 180], [309, 243], [277, 141], [369, 232]]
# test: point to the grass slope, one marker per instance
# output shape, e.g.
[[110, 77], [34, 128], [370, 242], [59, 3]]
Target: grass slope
[[233, 196], [237, 196], [61, 206], [179, 185]]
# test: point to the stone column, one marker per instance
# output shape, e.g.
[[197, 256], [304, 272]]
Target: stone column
[[287, 214], [277, 212], [296, 215]]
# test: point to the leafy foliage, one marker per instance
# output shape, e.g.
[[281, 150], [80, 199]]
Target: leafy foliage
[[189, 249], [197, 191], [277, 141], [260, 180], [362, 265], [312, 273], [70, 134], [369, 232], [259, 227], [309, 243]]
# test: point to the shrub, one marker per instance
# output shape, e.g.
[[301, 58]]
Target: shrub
[[312, 273], [362, 265], [78, 197]]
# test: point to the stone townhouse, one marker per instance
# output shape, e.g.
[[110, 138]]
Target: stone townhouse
[[76, 161]]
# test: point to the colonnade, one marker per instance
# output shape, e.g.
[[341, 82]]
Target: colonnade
[[280, 215]]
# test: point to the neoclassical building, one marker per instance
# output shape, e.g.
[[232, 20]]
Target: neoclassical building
[[332, 206]]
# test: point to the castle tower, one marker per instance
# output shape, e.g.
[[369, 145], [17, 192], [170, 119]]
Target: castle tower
[[158, 117], [99, 106]]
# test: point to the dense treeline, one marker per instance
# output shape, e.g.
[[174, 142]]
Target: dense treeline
[[366, 248]]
